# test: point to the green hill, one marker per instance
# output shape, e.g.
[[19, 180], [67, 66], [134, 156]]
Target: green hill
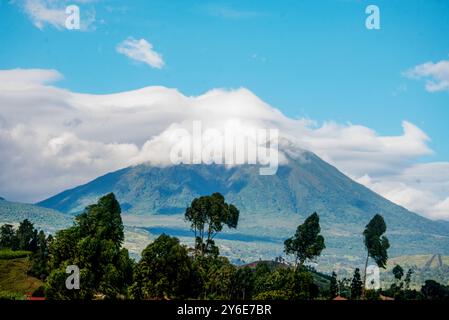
[[271, 207], [14, 281], [42, 218]]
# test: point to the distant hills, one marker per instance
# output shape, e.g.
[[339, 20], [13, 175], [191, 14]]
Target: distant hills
[[271, 206], [43, 218]]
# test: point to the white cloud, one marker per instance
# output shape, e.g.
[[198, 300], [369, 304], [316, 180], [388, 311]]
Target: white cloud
[[142, 51], [436, 75], [53, 13], [422, 188], [52, 139]]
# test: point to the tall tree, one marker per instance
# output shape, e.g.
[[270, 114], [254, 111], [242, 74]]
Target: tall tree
[[307, 243], [376, 243], [94, 245], [398, 272], [165, 271], [408, 279], [356, 285], [243, 283], [26, 236], [207, 216], [333, 286], [39, 259], [8, 237]]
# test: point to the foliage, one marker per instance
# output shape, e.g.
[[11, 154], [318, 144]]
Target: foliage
[[94, 245], [333, 286], [11, 254], [7, 295], [165, 271], [207, 216], [356, 285], [307, 243], [372, 295], [433, 290], [14, 278], [8, 237], [242, 284], [375, 242], [398, 272]]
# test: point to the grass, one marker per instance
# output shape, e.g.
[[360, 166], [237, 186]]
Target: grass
[[10, 254], [14, 281]]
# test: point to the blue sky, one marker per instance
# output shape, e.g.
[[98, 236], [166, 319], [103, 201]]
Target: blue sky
[[310, 59]]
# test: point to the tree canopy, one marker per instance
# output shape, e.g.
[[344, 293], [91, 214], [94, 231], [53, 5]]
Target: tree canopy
[[93, 244], [307, 243], [207, 216]]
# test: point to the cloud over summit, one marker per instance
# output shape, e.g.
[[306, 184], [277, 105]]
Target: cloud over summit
[[52, 139]]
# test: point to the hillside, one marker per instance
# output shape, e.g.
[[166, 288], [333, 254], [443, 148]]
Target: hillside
[[157, 197], [43, 218], [14, 280]]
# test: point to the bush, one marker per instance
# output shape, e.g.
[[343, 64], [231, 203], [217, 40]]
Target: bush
[[5, 295], [10, 254], [273, 295]]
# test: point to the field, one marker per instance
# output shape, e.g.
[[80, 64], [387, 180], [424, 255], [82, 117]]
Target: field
[[14, 281]]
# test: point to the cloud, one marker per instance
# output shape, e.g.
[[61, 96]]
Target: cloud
[[422, 188], [142, 51], [53, 13], [436, 75], [52, 139]]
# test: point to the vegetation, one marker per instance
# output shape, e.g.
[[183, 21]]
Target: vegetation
[[15, 280], [208, 215], [30, 261], [307, 243], [94, 245], [375, 242]]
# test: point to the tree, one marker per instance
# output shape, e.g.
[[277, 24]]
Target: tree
[[432, 290], [356, 285], [26, 236], [94, 245], [307, 243], [207, 216], [242, 284], [408, 279], [165, 271], [39, 259], [376, 243], [304, 288], [333, 286], [398, 272], [8, 237]]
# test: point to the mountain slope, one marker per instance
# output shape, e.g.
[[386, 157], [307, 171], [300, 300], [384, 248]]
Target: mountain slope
[[271, 206], [43, 218]]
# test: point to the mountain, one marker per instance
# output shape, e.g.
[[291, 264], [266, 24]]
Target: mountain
[[271, 206], [42, 218]]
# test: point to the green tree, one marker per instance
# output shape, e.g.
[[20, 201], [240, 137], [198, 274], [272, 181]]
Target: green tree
[[375, 242], [307, 243], [356, 285], [432, 290], [165, 271], [242, 284], [207, 216], [304, 287], [39, 260], [8, 237], [398, 272], [94, 245], [408, 279], [26, 236], [333, 286]]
